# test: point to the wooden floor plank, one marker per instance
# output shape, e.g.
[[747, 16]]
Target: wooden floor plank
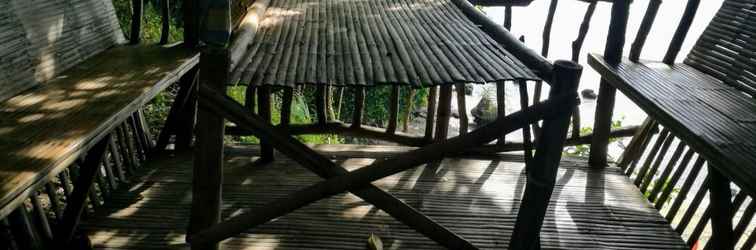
[[477, 198]]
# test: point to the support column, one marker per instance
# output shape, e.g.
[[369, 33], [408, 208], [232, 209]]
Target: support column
[[605, 103], [542, 170], [207, 179]]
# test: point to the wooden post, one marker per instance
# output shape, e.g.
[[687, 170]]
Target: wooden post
[[320, 103], [508, 16], [137, 11], [188, 117], [605, 103], [263, 108], [721, 210], [288, 96], [207, 180], [40, 220], [77, 201], [461, 108], [165, 10], [174, 120], [542, 170], [645, 28], [359, 106], [410, 106], [527, 143], [208, 156], [682, 30], [431, 113], [444, 112], [393, 110], [191, 27], [501, 96], [52, 192], [22, 229]]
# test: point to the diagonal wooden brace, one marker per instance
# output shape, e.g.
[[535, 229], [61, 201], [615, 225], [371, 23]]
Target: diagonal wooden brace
[[358, 181], [220, 104]]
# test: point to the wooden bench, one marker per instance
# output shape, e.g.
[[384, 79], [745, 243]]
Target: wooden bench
[[707, 101], [69, 81]]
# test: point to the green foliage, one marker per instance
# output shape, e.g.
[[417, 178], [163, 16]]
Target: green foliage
[[152, 22], [583, 151]]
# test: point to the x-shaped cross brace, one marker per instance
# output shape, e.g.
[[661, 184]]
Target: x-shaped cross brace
[[358, 181]]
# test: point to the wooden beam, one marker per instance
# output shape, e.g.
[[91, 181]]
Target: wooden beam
[[462, 108], [359, 106], [77, 201], [286, 102], [246, 31], [263, 109], [527, 142], [325, 168], [501, 110], [682, 30], [181, 102], [320, 104], [393, 110], [191, 22], [207, 179], [22, 229], [358, 180], [648, 20], [431, 112], [530, 58], [542, 170], [721, 211], [188, 116], [165, 12], [137, 11], [444, 112], [605, 103]]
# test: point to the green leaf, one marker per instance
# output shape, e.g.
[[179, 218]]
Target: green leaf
[[374, 242]]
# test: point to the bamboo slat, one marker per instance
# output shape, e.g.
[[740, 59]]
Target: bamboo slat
[[367, 43]]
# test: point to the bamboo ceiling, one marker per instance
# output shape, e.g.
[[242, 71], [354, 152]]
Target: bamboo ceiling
[[370, 42]]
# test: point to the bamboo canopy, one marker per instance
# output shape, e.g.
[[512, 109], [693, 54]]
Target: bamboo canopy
[[371, 42]]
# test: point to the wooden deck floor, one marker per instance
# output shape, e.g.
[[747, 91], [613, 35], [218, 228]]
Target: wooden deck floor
[[477, 198]]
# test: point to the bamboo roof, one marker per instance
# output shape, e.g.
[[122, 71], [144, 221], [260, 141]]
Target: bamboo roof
[[371, 42]]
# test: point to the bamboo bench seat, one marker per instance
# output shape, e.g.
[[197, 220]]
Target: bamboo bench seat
[[44, 129], [707, 100], [716, 118]]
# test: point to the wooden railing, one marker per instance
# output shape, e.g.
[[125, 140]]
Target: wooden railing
[[670, 174], [38, 223]]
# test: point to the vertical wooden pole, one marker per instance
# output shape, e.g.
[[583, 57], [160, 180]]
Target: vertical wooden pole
[[542, 170], [137, 11], [207, 180], [682, 30], [508, 17], [359, 106], [191, 27], [393, 110], [462, 108], [208, 156], [645, 28], [52, 192], [320, 104], [721, 210], [444, 112], [22, 229], [527, 142], [431, 113], [175, 122], [605, 103], [410, 100], [263, 108], [41, 220], [288, 96], [501, 111], [77, 201], [165, 11], [188, 116]]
